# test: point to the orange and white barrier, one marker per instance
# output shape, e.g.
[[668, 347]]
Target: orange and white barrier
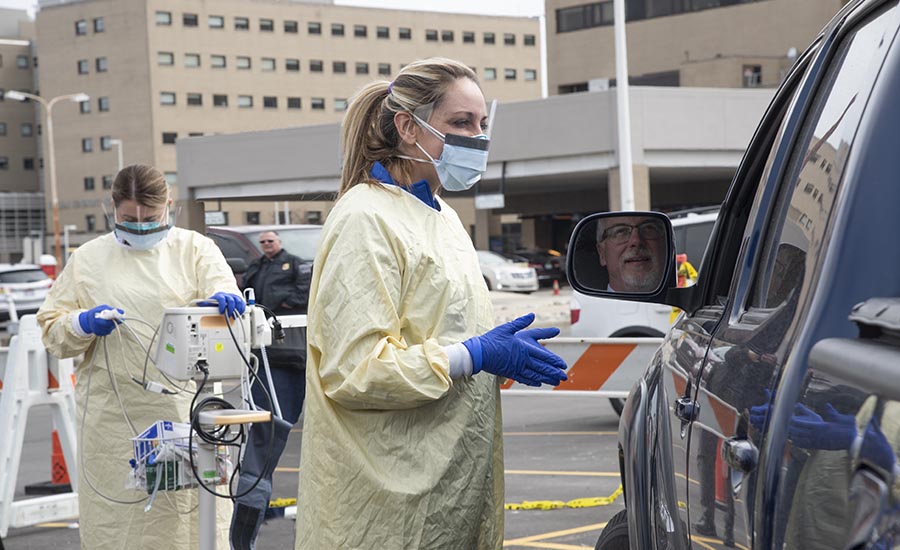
[[602, 367]]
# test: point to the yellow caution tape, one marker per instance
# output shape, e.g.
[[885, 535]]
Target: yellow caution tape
[[282, 502], [556, 504]]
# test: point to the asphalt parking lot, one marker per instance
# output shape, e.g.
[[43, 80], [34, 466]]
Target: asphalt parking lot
[[558, 449]]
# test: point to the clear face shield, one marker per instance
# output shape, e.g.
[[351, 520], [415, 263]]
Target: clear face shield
[[137, 226]]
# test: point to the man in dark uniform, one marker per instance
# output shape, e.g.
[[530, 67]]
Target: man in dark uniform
[[280, 282]]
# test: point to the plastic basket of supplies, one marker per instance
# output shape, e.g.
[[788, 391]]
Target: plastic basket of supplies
[[165, 459]]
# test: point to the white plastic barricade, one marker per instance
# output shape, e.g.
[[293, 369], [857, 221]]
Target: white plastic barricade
[[602, 367], [31, 377]]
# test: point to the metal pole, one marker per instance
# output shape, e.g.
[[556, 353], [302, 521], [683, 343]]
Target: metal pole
[[542, 21], [623, 111], [65, 243], [287, 213], [54, 194]]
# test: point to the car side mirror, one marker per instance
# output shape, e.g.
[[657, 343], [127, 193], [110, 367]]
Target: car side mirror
[[237, 265], [622, 254]]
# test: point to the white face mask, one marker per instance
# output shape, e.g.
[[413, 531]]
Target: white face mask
[[463, 160], [142, 235]]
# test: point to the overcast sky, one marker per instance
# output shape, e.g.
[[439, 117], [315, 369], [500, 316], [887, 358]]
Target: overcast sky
[[488, 7]]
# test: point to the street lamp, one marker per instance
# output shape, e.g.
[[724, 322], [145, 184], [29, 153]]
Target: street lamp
[[16, 95], [118, 144], [66, 229]]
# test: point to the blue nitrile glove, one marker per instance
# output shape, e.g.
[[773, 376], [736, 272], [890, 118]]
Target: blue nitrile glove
[[92, 324], [876, 449], [228, 303], [758, 413], [509, 350], [831, 432]]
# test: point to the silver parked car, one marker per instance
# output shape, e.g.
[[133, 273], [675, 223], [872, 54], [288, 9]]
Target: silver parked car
[[23, 285], [503, 274]]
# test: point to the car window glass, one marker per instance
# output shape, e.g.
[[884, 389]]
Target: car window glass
[[230, 247], [302, 243], [814, 172], [694, 241], [23, 276]]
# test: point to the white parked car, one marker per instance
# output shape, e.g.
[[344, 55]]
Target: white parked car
[[25, 285], [503, 274]]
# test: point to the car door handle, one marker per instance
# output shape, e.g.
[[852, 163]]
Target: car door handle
[[741, 454], [686, 409]]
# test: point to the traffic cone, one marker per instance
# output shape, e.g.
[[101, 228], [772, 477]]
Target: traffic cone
[[59, 474], [556, 287]]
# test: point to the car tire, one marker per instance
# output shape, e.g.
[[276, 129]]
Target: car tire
[[488, 283], [615, 534]]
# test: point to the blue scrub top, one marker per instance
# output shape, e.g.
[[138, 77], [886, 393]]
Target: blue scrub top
[[420, 189]]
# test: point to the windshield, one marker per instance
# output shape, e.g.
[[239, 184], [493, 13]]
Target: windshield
[[491, 258], [23, 276], [301, 241]]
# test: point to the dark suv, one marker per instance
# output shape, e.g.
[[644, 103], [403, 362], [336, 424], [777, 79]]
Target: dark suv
[[770, 416], [240, 243]]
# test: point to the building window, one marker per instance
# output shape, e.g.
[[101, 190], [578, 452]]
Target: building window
[[165, 58], [360, 31], [528, 39], [314, 27], [84, 106], [337, 29], [589, 15], [241, 23], [189, 20], [28, 163], [89, 183], [105, 143], [431, 35], [315, 65], [245, 101], [752, 76], [252, 218], [530, 74], [268, 63], [573, 88], [340, 104], [107, 182], [102, 104], [168, 138], [293, 103], [338, 67], [242, 62], [26, 129], [87, 145], [489, 38], [362, 67], [220, 100], [405, 33], [84, 66], [164, 18], [266, 25], [2, 128], [167, 98], [383, 32], [318, 103], [509, 39], [81, 27], [490, 73], [215, 22], [22, 61], [468, 37], [101, 64], [195, 99], [384, 69], [90, 223], [292, 65], [270, 102], [446, 36], [290, 27], [192, 60], [4, 163], [509, 74], [195, 134], [217, 61]]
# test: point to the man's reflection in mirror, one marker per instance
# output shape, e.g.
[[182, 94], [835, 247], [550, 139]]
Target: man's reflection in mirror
[[632, 249]]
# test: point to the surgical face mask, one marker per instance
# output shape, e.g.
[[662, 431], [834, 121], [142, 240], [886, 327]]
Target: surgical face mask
[[142, 235], [463, 160]]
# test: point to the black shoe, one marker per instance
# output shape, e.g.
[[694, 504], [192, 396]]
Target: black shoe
[[706, 529]]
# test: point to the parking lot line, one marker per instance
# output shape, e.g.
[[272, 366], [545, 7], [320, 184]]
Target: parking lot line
[[541, 538]]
